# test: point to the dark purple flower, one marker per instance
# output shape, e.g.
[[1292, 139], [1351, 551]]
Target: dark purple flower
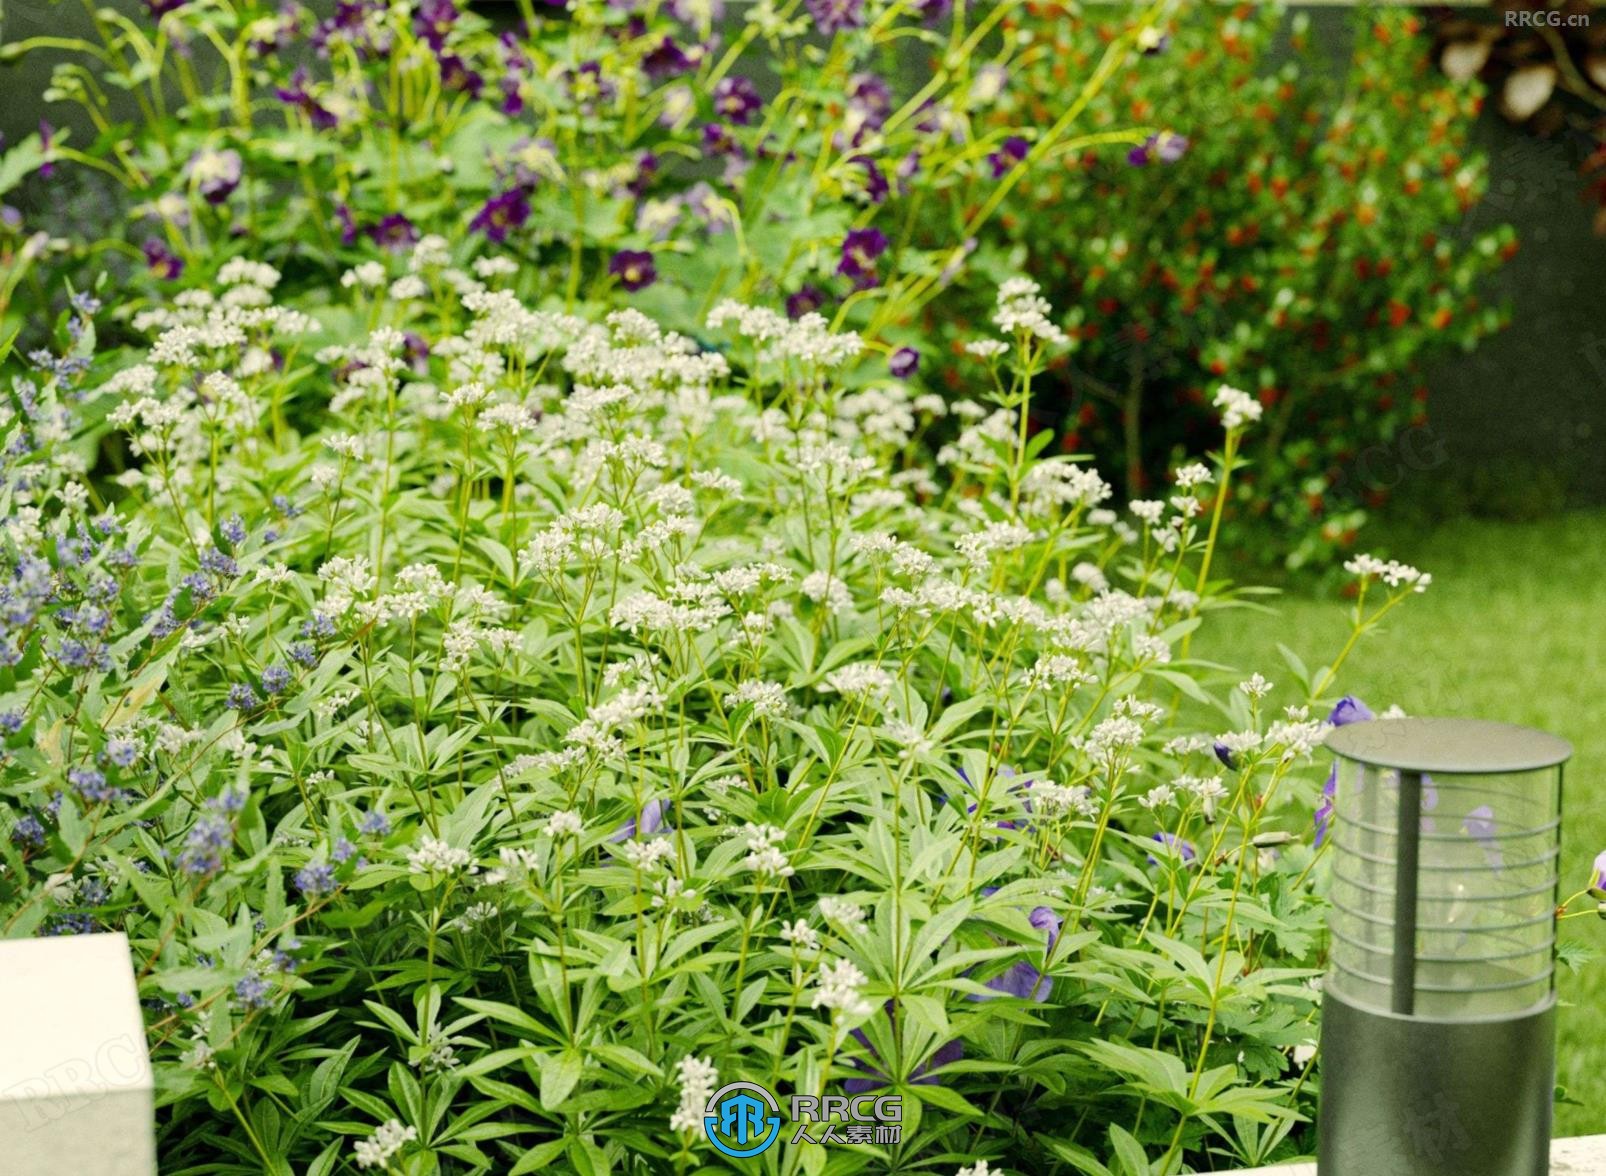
[[860, 248], [924, 1074], [1224, 754], [47, 143], [348, 223], [717, 139], [459, 77], [160, 8], [297, 95], [650, 820], [1177, 846], [1598, 882], [736, 99], [873, 188], [634, 268], [904, 362], [502, 214], [394, 231], [834, 15], [433, 20], [665, 59], [162, 261], [871, 98], [1013, 152], [1163, 146], [805, 300]]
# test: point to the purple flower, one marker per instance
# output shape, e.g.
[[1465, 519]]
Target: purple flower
[[1480, 826], [1163, 146], [737, 99], [665, 59], [873, 187], [871, 98], [215, 174], [704, 203], [649, 821], [1176, 845], [806, 299], [297, 95], [860, 248], [90, 784], [1224, 754], [394, 232], [433, 20], [161, 261], [252, 991], [457, 76], [1014, 788], [903, 362], [1350, 709], [1598, 882], [47, 144], [315, 880], [931, 11], [275, 680], [834, 15], [1023, 979], [1013, 152], [241, 697], [1346, 710], [717, 139], [374, 824], [634, 268], [160, 8], [924, 1074], [502, 214]]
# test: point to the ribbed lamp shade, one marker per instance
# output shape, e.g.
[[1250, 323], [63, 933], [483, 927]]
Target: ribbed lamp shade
[[1439, 999]]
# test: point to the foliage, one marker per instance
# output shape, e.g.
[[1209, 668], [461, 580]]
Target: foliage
[[619, 152], [1301, 231], [566, 715]]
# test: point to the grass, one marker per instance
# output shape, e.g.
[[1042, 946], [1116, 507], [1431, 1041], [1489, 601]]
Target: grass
[[1509, 630]]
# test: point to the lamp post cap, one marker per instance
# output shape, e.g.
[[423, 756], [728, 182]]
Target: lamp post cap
[[1467, 747]]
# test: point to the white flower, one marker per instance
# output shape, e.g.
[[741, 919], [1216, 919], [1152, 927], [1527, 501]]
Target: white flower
[[564, 823], [388, 1139], [800, 934], [1391, 572], [768, 699], [979, 1168], [1255, 686], [697, 1078], [844, 915], [840, 989], [1237, 407], [434, 856]]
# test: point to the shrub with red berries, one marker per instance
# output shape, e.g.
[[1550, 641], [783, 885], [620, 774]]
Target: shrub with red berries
[[1300, 230]]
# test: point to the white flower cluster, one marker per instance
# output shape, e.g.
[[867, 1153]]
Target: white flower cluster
[[764, 854], [1391, 572], [388, 1138], [1023, 311], [840, 988], [698, 1080], [435, 856], [1238, 408]]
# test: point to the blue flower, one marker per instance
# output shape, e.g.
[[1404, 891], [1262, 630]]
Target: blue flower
[[904, 362], [1023, 979], [241, 697], [275, 679], [651, 820], [316, 879]]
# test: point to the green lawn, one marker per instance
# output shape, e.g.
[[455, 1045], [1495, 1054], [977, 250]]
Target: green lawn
[[1511, 629]]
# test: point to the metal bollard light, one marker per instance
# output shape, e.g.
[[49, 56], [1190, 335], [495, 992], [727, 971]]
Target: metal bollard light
[[1438, 1010]]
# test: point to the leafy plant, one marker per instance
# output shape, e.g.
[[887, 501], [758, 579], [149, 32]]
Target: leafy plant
[[567, 717], [1302, 231]]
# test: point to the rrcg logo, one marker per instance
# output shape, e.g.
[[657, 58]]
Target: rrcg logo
[[735, 1122], [742, 1119]]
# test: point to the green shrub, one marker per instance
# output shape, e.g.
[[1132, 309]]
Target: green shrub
[[570, 715], [1301, 231]]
